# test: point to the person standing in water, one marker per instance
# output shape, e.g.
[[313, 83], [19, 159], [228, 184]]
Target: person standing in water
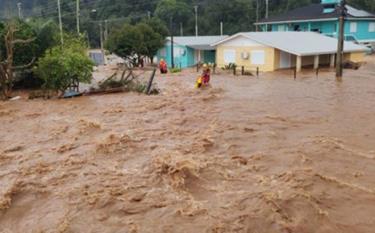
[[204, 79], [206, 76], [163, 67]]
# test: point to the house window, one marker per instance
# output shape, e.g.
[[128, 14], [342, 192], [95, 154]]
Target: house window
[[371, 27], [258, 57], [229, 56], [280, 28], [353, 27]]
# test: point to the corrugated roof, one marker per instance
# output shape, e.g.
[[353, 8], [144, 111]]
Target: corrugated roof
[[315, 12], [298, 43], [197, 42]]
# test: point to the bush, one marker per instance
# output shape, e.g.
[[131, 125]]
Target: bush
[[60, 67], [175, 70], [230, 66]]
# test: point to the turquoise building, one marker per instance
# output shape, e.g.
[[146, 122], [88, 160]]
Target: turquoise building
[[189, 50], [323, 18]]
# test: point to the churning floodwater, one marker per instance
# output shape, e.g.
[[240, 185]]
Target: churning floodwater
[[259, 155]]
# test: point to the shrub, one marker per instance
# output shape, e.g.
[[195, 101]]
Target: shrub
[[230, 66], [175, 70], [61, 66]]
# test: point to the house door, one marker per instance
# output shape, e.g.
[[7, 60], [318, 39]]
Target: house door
[[285, 60]]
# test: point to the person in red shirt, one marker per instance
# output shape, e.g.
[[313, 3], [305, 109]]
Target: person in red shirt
[[206, 76], [163, 67]]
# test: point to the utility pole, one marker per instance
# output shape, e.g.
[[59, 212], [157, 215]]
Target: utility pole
[[105, 30], [196, 20], [19, 5], [60, 23], [172, 42], [257, 14], [78, 15], [221, 28], [267, 7], [340, 46], [101, 36]]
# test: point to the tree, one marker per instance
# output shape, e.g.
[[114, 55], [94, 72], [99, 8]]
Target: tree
[[15, 51], [177, 10], [61, 66], [158, 26], [125, 42], [133, 42], [151, 41]]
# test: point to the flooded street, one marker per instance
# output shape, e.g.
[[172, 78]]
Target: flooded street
[[259, 155]]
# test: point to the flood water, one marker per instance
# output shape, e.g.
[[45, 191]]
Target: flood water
[[251, 155]]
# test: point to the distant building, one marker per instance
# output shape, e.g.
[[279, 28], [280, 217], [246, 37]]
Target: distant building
[[270, 51], [97, 56], [189, 50], [323, 18]]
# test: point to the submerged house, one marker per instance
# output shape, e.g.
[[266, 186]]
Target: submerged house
[[270, 51], [189, 50], [323, 18]]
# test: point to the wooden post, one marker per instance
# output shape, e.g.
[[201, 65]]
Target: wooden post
[[295, 73], [197, 67], [317, 72], [234, 69], [257, 72], [242, 70], [148, 91]]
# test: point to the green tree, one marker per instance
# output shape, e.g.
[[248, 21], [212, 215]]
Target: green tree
[[133, 42], [125, 42], [158, 26], [16, 53], [177, 10], [60, 66], [151, 40]]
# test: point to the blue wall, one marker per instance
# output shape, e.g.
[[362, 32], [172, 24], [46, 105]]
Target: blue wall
[[184, 56], [331, 28]]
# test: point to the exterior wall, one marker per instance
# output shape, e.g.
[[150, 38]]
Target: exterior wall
[[363, 33], [356, 57], [165, 53], [269, 64], [184, 56], [330, 28]]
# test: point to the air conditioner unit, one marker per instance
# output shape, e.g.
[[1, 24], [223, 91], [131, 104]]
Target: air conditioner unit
[[245, 55]]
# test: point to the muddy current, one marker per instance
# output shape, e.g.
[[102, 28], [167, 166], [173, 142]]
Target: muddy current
[[249, 155]]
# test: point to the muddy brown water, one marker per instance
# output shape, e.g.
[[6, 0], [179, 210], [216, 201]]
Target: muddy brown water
[[250, 155]]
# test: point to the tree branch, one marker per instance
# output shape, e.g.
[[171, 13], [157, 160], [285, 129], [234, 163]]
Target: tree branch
[[24, 66], [19, 41]]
